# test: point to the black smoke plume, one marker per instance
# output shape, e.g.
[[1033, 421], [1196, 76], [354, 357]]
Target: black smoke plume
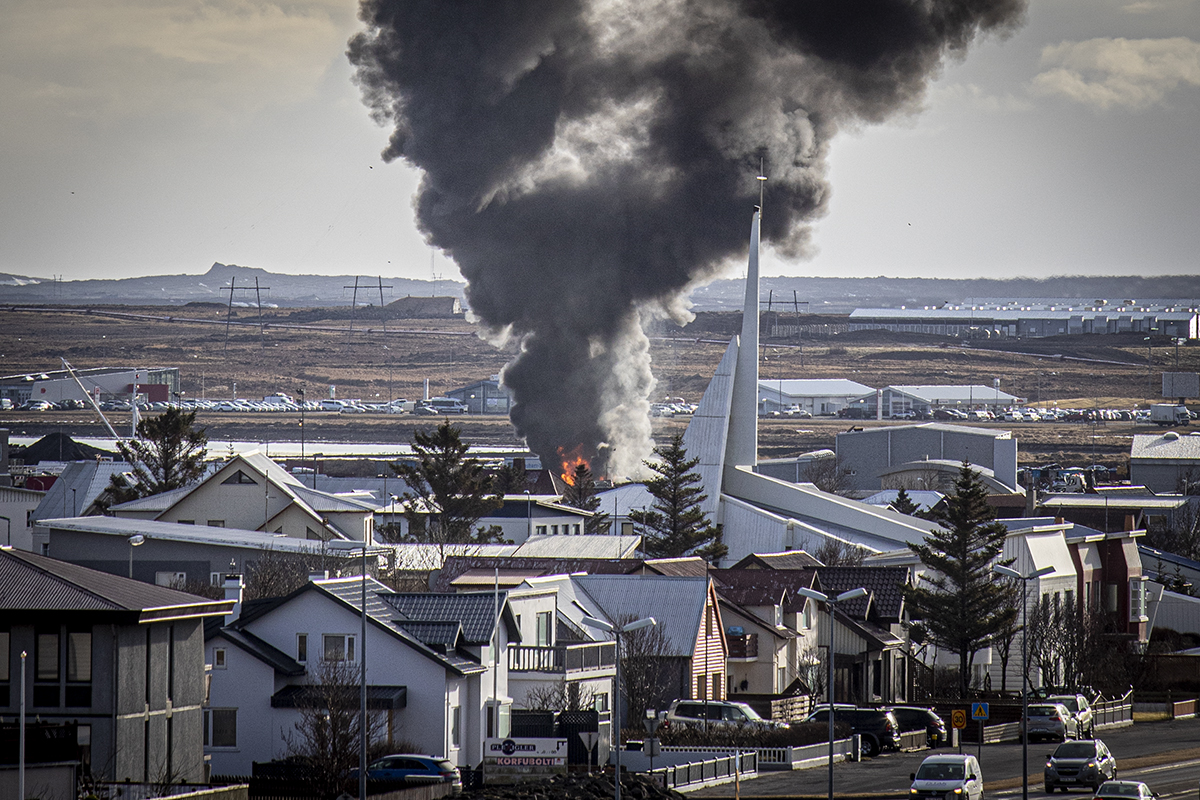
[[587, 161]]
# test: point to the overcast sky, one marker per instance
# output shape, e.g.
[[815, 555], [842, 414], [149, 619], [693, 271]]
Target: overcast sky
[[145, 137]]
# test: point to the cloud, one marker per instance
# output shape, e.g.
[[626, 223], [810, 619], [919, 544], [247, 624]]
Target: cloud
[[99, 63], [1104, 73]]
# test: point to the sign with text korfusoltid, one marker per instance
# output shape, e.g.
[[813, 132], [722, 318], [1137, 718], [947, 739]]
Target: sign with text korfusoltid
[[513, 760]]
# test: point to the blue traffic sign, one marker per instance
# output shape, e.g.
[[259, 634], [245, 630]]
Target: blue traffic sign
[[979, 710]]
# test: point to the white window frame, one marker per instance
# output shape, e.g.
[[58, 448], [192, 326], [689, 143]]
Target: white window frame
[[220, 661], [349, 650], [1137, 600]]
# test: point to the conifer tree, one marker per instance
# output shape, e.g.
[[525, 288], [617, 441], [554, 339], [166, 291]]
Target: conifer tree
[[903, 504], [961, 602], [677, 526], [581, 493], [448, 490], [168, 453]]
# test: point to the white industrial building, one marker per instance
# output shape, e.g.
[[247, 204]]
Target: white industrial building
[[1022, 319], [814, 396]]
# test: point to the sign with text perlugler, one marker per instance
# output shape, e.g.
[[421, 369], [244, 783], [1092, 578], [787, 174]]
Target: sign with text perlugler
[[513, 760]]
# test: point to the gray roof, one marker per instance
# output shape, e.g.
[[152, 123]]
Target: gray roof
[[830, 387], [1166, 446], [676, 603], [885, 585], [202, 534], [329, 503], [30, 582], [935, 394], [475, 611], [156, 502], [87, 478], [434, 634], [271, 656]]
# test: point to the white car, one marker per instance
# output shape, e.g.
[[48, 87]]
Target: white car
[[957, 776]]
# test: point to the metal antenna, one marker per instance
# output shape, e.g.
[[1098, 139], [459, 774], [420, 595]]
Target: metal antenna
[[762, 182]]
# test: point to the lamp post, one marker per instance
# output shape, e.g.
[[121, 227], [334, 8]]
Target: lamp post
[[1025, 579], [821, 597], [362, 696], [302, 404], [629, 627], [528, 514], [134, 541]]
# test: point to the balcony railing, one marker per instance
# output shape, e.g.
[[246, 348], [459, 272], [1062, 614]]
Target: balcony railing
[[561, 658], [744, 646]]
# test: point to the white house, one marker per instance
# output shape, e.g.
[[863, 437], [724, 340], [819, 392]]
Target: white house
[[437, 672], [252, 492], [816, 396]]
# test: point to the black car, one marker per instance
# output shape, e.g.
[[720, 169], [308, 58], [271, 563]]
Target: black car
[[877, 727], [917, 718]]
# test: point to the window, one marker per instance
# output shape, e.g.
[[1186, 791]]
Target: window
[[215, 579], [187, 522], [543, 628], [302, 647], [600, 702], [808, 619], [554, 530], [171, 580], [1137, 600], [220, 727], [79, 668], [239, 477], [219, 658], [780, 678], [455, 718], [216, 523], [778, 616], [338, 647], [541, 530], [47, 656], [4, 668]]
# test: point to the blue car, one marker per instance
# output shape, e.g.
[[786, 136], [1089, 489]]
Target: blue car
[[413, 770]]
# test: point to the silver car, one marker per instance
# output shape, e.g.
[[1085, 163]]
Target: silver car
[[1081, 712], [1048, 721]]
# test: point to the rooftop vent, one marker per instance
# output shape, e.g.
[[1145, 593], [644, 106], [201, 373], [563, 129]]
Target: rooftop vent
[[1170, 436]]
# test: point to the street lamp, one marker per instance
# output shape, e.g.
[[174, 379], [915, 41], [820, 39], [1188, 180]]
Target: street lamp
[[821, 597], [1012, 573], [134, 541], [629, 627], [528, 515]]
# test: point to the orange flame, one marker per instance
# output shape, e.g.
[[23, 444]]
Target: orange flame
[[570, 461]]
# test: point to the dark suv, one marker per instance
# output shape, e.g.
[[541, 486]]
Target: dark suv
[[917, 718], [877, 727]]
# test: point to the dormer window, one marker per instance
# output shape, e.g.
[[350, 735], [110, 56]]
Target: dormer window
[[239, 477], [778, 616]]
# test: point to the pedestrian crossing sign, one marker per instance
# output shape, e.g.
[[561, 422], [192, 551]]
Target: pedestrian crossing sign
[[979, 711]]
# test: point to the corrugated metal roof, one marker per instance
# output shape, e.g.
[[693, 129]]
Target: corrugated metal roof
[[456, 566], [597, 546], [792, 559], [676, 603], [33, 582], [329, 503], [707, 433], [87, 478], [831, 387], [199, 534], [693, 566]]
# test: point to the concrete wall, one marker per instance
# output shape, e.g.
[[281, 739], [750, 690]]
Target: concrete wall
[[1162, 476], [868, 453]]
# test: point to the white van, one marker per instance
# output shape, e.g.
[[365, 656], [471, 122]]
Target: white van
[[957, 776]]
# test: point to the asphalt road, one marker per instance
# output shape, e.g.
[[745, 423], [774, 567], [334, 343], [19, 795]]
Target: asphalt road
[[1165, 755]]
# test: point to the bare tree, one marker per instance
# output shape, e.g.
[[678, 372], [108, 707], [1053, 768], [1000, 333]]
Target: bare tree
[[329, 729], [565, 696], [828, 476], [838, 553], [645, 668]]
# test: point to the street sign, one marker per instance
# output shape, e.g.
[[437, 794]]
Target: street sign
[[979, 711], [958, 718]]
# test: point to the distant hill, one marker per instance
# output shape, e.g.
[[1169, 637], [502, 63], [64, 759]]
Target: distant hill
[[805, 294], [275, 289]]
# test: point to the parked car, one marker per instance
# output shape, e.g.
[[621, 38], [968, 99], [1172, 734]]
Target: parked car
[[1047, 721], [878, 728], [1082, 763], [413, 770], [916, 718], [722, 713], [1124, 790], [957, 776], [1081, 712]]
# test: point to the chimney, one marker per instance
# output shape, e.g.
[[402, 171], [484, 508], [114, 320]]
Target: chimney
[[319, 575], [233, 591]]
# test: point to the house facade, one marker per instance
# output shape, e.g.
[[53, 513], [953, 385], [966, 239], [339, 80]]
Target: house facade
[[436, 669], [116, 665]]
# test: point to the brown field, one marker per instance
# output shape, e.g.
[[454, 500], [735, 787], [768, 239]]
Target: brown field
[[374, 365]]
